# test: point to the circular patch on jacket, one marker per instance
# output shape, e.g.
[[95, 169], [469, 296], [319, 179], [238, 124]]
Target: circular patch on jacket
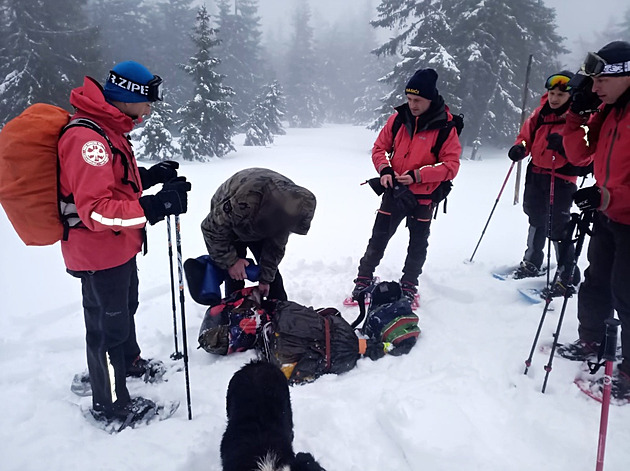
[[95, 153]]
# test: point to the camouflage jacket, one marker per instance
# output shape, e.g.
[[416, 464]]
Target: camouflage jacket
[[256, 204]]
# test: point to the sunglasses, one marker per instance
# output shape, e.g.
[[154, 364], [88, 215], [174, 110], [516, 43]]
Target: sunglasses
[[152, 90], [561, 82], [594, 65]]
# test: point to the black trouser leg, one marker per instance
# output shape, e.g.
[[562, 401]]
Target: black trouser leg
[[384, 228], [595, 303], [536, 206], [107, 296], [419, 231], [620, 284]]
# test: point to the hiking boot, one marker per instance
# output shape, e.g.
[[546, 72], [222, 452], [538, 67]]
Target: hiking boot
[[137, 410], [361, 283], [558, 290], [149, 370], [409, 290], [526, 270], [578, 350]]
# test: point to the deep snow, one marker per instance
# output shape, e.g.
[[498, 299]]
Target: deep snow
[[458, 401]]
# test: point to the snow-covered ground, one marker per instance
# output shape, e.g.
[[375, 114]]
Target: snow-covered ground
[[458, 401]]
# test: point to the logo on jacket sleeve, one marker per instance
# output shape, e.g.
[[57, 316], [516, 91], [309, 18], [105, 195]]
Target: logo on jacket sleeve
[[94, 153]]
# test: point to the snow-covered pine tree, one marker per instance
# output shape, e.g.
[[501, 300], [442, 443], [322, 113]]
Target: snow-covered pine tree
[[303, 92], [238, 30], [423, 42], [493, 43], [156, 141], [265, 119], [45, 50], [206, 122]]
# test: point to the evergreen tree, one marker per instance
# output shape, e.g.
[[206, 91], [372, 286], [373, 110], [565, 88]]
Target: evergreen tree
[[156, 141], [265, 119], [304, 105], [45, 51], [206, 122], [239, 50]]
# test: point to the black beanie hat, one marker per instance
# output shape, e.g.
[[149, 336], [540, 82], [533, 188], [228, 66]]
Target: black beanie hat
[[423, 84], [616, 52]]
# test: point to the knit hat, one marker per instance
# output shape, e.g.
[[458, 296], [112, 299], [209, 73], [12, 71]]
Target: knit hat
[[131, 82], [423, 84], [617, 55]]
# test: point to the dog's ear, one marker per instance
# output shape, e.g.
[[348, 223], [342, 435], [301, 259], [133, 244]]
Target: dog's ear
[[305, 462]]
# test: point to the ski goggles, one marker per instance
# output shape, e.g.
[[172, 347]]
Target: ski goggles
[[152, 90], [594, 65], [559, 81]]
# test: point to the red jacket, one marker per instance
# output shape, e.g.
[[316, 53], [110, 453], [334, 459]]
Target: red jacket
[[609, 148], [535, 134], [113, 221], [415, 153]]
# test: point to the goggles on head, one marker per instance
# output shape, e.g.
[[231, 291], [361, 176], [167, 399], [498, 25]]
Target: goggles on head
[[594, 65], [152, 90], [559, 81]]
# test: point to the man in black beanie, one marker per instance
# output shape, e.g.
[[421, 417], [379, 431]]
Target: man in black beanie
[[404, 161], [607, 278]]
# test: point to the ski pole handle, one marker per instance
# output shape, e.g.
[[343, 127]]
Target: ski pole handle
[[610, 341]]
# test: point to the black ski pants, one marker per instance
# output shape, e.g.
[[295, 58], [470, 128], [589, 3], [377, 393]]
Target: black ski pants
[[536, 204], [276, 287], [388, 218], [110, 300], [606, 285]]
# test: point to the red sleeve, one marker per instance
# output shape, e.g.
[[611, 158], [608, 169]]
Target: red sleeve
[[448, 162], [91, 175], [383, 144], [527, 131], [578, 150]]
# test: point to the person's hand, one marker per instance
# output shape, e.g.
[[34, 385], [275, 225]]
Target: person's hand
[[237, 271], [588, 198], [517, 152], [387, 177], [263, 289], [554, 142], [405, 179], [171, 199], [159, 173], [584, 101]]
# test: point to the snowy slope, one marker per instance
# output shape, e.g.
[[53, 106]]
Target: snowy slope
[[458, 401]]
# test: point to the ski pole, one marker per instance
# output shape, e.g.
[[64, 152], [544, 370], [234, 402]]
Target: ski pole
[[177, 354], [493, 208], [525, 93], [572, 225], [178, 240], [583, 228], [550, 221], [610, 352]]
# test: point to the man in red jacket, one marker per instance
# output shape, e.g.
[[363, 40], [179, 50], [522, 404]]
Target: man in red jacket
[[102, 185], [406, 161], [607, 278]]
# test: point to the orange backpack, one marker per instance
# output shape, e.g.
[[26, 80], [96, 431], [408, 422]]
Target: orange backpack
[[29, 173]]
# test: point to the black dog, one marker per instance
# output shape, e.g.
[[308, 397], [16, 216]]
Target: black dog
[[259, 433]]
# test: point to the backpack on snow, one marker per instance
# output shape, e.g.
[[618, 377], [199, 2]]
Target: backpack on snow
[[306, 343], [29, 174]]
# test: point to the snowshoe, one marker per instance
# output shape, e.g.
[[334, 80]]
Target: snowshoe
[[138, 412]]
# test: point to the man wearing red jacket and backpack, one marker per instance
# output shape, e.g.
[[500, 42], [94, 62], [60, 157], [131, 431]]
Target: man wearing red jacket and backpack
[[412, 165], [541, 137], [607, 278], [102, 185]]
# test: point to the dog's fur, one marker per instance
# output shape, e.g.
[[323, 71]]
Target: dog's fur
[[259, 433]]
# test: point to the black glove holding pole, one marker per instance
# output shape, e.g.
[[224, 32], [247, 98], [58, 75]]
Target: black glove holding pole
[[588, 198], [158, 173], [171, 199], [517, 152]]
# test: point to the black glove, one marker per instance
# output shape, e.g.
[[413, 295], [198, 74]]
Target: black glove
[[588, 198], [388, 171], [517, 152], [171, 199], [158, 173], [584, 101], [554, 142]]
